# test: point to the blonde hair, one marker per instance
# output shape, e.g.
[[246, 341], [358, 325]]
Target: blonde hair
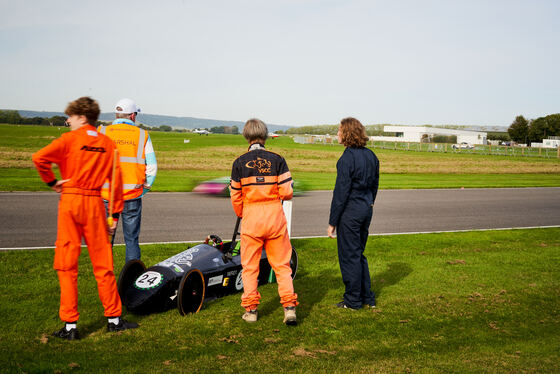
[[255, 129], [353, 133]]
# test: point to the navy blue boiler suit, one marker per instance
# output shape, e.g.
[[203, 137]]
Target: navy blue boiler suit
[[357, 181]]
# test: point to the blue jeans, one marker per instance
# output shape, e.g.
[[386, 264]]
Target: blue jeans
[[131, 218]]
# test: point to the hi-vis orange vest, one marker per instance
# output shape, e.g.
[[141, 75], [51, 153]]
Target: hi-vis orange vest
[[130, 141]]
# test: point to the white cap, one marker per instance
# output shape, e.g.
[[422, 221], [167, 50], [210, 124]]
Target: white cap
[[126, 106]]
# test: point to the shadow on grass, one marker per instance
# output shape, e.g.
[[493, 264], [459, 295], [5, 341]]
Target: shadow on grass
[[89, 328], [311, 290], [395, 272]]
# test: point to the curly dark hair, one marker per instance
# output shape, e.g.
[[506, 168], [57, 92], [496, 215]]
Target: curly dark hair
[[352, 133], [84, 106]]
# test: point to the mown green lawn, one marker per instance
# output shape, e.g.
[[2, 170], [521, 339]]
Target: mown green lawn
[[467, 302], [181, 166], [181, 180]]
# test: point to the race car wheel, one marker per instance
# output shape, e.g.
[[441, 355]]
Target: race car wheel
[[191, 292], [129, 273], [294, 262]]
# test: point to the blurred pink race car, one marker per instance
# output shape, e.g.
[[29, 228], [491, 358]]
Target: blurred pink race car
[[219, 187]]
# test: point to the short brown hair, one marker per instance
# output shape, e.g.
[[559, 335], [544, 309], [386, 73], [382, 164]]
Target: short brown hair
[[84, 106], [353, 133], [255, 129]]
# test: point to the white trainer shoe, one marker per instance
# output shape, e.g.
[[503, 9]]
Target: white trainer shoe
[[250, 316], [290, 318]]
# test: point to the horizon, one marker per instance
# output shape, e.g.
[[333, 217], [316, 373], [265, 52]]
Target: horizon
[[272, 124]]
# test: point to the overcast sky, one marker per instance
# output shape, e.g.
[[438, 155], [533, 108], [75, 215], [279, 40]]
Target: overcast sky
[[287, 62]]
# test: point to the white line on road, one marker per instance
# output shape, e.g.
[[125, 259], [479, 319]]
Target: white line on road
[[323, 236]]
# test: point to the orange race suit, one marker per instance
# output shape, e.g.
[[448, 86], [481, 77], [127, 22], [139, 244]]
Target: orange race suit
[[85, 157], [260, 180]]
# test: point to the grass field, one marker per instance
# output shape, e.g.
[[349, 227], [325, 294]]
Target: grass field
[[456, 302], [182, 165]]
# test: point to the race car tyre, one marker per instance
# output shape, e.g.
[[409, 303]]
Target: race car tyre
[[190, 295], [294, 262], [129, 273]]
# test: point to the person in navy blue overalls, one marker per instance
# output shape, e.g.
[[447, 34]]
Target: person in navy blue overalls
[[357, 181]]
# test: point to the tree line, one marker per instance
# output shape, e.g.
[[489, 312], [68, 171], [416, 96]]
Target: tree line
[[164, 128], [225, 130], [371, 130], [521, 130], [215, 130], [534, 131], [14, 118]]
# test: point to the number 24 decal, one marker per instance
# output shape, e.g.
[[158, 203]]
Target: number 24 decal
[[148, 280]]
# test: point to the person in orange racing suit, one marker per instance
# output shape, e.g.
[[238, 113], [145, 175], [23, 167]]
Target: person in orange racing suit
[[85, 159], [260, 180]]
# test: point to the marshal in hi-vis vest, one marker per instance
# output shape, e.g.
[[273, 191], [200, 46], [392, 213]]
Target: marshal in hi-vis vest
[[130, 141]]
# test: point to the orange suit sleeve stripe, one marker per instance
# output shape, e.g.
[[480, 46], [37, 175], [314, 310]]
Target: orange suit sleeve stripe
[[283, 178], [269, 179]]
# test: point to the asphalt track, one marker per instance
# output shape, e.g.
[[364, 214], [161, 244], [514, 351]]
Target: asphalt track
[[29, 219]]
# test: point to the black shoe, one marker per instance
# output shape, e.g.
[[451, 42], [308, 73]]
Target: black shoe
[[121, 326], [65, 334], [343, 305]]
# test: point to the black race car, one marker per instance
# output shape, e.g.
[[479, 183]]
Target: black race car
[[203, 272]]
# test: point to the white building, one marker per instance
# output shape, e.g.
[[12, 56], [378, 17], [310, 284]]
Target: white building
[[552, 142], [415, 134]]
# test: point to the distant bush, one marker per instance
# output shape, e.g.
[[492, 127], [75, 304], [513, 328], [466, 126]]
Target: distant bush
[[225, 130], [543, 127], [374, 130], [503, 136], [371, 130], [13, 117], [444, 139], [313, 130]]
